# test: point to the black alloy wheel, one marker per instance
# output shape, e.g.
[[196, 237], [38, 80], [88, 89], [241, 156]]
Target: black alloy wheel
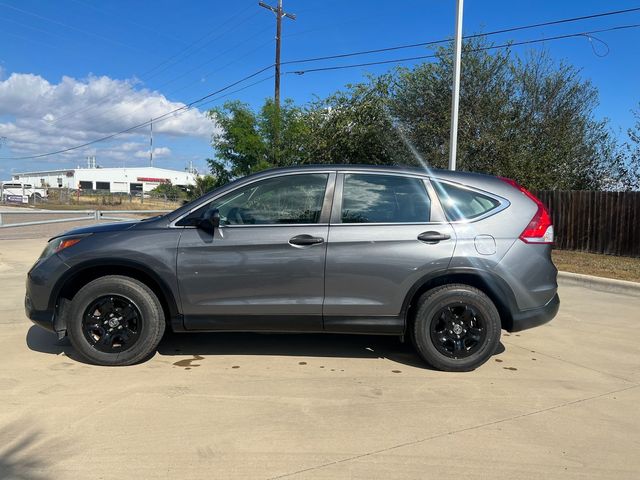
[[456, 327], [115, 320], [458, 330], [112, 324]]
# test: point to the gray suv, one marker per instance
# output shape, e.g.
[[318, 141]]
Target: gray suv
[[445, 259]]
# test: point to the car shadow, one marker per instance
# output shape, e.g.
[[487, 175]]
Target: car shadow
[[40, 340], [260, 344], [323, 345]]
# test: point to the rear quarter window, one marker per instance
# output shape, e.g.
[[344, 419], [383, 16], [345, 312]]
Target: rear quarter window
[[460, 203]]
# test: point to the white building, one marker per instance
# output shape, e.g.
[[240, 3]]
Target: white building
[[114, 180]]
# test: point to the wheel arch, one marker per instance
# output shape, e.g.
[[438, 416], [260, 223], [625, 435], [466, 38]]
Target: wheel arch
[[75, 278], [489, 283]]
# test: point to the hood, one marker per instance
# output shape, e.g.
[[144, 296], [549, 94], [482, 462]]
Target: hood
[[100, 228]]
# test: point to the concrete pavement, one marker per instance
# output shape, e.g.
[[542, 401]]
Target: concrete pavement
[[559, 401]]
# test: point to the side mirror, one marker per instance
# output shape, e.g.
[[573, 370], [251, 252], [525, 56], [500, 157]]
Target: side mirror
[[210, 221]]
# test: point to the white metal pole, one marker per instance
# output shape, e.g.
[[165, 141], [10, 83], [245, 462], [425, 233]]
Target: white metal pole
[[151, 144], [455, 100]]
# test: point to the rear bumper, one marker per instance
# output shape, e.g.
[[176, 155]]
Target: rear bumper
[[525, 319]]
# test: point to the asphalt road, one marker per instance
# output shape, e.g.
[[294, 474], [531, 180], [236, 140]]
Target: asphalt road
[[559, 401]]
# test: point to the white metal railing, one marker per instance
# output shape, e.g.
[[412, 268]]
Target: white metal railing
[[80, 215]]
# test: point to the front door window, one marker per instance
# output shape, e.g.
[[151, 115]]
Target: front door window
[[284, 200]]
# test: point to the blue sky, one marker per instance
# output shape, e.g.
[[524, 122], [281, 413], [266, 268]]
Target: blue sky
[[75, 70]]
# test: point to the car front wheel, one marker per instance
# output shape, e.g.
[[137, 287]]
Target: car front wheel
[[115, 320], [456, 328]]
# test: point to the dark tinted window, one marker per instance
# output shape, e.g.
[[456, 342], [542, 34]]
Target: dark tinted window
[[462, 204], [102, 186], [280, 200], [384, 199]]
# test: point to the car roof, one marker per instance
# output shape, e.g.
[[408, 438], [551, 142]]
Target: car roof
[[477, 180], [456, 176]]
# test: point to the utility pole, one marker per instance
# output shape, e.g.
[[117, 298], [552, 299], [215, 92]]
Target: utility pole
[[455, 100], [279, 13], [151, 144]]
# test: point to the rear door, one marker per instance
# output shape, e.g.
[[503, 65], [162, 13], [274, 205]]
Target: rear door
[[385, 235]]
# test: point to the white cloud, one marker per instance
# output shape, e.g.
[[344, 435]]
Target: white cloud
[[159, 152], [37, 116]]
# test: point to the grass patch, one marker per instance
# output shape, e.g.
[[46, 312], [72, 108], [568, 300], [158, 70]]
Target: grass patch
[[609, 266]]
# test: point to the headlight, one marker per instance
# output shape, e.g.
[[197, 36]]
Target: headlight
[[58, 244]]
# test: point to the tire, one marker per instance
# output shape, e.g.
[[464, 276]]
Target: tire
[[115, 320], [456, 328]]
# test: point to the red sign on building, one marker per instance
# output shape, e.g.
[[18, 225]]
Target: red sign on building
[[155, 180]]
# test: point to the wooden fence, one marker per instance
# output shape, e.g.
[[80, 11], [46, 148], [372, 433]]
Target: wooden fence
[[597, 222]]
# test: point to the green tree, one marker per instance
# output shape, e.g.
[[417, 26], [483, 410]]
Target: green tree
[[632, 150], [528, 118], [354, 126], [525, 117], [246, 142], [170, 191], [204, 184]]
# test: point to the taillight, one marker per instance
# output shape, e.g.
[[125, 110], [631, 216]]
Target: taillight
[[540, 228]]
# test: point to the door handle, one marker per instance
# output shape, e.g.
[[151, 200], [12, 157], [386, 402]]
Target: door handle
[[304, 240], [433, 237]]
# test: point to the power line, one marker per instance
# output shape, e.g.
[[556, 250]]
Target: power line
[[71, 27], [107, 110], [442, 41], [423, 57], [280, 14], [31, 27], [28, 39], [314, 59], [221, 54], [181, 55], [143, 124], [123, 18], [208, 96], [208, 102], [168, 60]]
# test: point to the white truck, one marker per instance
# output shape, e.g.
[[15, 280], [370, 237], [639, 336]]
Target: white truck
[[20, 192]]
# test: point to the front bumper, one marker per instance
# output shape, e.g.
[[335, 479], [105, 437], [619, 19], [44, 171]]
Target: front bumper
[[40, 302], [42, 318], [525, 319]]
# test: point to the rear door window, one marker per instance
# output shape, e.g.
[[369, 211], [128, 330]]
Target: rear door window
[[460, 203], [369, 198]]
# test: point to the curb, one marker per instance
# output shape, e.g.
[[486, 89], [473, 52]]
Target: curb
[[599, 283]]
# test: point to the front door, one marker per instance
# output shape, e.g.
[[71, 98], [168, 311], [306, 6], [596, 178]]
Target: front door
[[263, 269], [385, 236]]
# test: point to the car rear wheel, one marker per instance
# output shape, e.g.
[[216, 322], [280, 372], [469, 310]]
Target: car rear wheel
[[115, 320], [456, 328]]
